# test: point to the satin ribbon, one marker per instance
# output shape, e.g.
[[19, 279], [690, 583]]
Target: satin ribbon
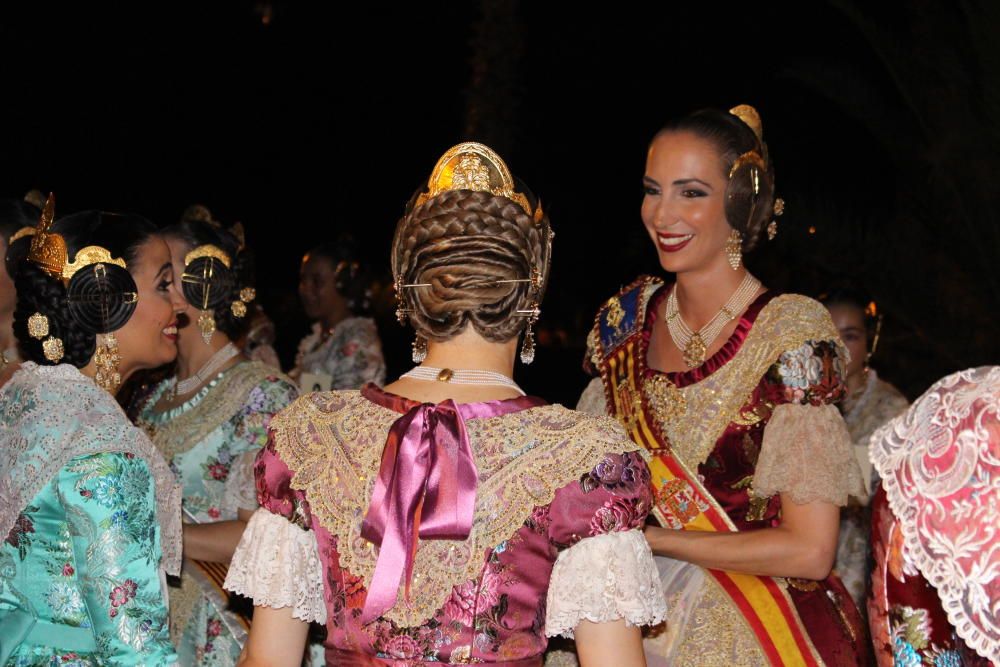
[[426, 489]]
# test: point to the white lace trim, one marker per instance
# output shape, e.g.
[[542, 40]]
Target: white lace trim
[[630, 588], [277, 565], [939, 462]]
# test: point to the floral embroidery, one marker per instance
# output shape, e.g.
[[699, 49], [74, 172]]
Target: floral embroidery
[[619, 514], [65, 602], [811, 373], [19, 536], [616, 472]]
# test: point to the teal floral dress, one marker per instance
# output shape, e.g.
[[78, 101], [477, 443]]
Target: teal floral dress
[[211, 442], [81, 504]]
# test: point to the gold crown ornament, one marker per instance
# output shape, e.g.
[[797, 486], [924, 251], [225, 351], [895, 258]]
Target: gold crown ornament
[[48, 249], [473, 166]]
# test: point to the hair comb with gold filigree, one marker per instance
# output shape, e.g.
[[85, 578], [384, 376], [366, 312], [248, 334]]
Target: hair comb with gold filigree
[[474, 166], [48, 249]]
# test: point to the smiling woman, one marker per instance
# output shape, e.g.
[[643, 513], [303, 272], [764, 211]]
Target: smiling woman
[[91, 510], [731, 388]]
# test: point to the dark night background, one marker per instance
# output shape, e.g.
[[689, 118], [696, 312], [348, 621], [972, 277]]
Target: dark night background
[[303, 120]]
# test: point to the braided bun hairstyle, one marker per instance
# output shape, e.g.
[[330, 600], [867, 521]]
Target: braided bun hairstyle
[[461, 243], [98, 299], [733, 137], [224, 283]]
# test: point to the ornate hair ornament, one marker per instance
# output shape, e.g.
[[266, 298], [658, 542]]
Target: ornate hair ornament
[[208, 250], [758, 161], [473, 166], [20, 234], [48, 249]]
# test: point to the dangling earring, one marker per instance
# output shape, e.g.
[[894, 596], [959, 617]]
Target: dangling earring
[[528, 344], [734, 249], [419, 349], [107, 359], [206, 322], [52, 347]]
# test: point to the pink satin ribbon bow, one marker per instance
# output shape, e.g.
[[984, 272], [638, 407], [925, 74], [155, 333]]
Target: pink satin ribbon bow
[[426, 489]]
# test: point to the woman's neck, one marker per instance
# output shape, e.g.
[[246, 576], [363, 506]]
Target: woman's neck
[[466, 351], [334, 317], [194, 354], [702, 293]]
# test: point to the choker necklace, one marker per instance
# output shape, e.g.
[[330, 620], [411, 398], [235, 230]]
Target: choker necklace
[[184, 387], [694, 344], [477, 377]]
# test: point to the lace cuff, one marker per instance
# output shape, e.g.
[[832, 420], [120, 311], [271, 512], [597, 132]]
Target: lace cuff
[[240, 491], [277, 565], [807, 454], [630, 588]]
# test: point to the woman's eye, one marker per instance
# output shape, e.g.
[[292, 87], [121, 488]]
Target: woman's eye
[[650, 190], [693, 193]]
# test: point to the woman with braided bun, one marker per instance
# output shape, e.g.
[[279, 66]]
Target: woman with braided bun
[[731, 387], [209, 420], [89, 508], [449, 518]]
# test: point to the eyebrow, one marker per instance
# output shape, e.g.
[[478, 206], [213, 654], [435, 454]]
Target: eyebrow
[[853, 328], [686, 181], [163, 268]]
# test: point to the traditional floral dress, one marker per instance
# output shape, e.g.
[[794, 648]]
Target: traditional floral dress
[[556, 497], [754, 423], [91, 515], [211, 441], [876, 403], [935, 597], [348, 357]]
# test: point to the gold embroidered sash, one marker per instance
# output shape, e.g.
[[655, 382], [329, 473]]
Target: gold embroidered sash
[[681, 425]]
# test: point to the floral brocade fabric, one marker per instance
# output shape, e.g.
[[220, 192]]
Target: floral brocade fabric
[[498, 613]]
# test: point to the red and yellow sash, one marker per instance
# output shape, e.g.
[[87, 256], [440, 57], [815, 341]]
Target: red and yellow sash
[[682, 502]]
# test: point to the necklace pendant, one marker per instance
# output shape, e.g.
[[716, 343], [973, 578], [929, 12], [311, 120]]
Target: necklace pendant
[[694, 351]]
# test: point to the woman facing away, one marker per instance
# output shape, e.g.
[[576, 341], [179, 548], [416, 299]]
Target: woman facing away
[[90, 510], [731, 387], [448, 518], [869, 403], [935, 594], [210, 420], [343, 350]]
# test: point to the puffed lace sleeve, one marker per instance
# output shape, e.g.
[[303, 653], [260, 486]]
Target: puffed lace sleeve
[[604, 578]]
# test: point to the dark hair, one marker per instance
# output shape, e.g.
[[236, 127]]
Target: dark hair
[[225, 283], [732, 137], [853, 297], [461, 243], [352, 278], [15, 214], [75, 320]]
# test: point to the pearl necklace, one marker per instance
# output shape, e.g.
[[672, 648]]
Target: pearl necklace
[[184, 387], [476, 377], [694, 345]]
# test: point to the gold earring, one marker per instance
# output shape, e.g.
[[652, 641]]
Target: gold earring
[[734, 249], [419, 349], [107, 360], [52, 347], [206, 322]]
